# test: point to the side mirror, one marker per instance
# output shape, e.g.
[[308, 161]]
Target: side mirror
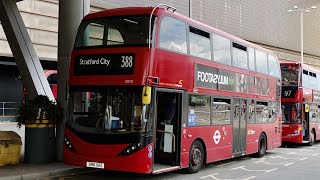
[[306, 108], [146, 95]]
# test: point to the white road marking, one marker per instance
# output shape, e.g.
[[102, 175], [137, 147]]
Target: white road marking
[[282, 163], [280, 157], [213, 176], [225, 164], [252, 170], [249, 178], [288, 164], [302, 154], [314, 148], [305, 150]]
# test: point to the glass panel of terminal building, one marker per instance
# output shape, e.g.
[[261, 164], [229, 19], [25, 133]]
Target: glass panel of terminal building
[[109, 110], [114, 31]]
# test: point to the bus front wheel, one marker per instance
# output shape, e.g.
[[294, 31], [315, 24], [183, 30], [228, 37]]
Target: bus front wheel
[[262, 146], [196, 157]]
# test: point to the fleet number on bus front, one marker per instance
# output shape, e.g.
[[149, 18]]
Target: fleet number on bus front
[[126, 61], [128, 81]]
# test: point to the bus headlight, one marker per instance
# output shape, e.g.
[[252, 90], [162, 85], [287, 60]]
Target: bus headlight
[[68, 144], [134, 147]]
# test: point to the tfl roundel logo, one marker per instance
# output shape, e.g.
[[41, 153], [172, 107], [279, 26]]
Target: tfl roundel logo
[[216, 137]]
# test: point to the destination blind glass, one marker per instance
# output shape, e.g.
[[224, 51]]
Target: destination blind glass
[[104, 64]]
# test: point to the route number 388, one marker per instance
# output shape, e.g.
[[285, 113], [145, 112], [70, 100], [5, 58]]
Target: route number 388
[[127, 61]]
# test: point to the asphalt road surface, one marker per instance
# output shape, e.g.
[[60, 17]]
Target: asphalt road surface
[[285, 163]]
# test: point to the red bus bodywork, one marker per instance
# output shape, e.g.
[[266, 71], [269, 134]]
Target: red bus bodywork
[[50, 75], [292, 132], [52, 79], [175, 71]]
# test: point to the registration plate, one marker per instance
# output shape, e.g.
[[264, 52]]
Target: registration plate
[[95, 165]]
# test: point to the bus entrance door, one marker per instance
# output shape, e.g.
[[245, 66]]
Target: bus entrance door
[[239, 127], [167, 127], [307, 137]]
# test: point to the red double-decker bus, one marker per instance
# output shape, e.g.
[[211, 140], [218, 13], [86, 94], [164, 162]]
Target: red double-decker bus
[[52, 80], [300, 103], [153, 91]]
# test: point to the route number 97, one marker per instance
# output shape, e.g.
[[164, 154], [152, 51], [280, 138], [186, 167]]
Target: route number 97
[[127, 61], [287, 93]]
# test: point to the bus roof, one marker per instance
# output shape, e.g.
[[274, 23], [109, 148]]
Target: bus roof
[[289, 63], [161, 11], [119, 12]]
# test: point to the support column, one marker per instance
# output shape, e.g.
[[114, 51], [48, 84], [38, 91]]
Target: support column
[[70, 14], [23, 51]]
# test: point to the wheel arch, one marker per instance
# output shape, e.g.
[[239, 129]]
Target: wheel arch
[[314, 133], [265, 134], [204, 148]]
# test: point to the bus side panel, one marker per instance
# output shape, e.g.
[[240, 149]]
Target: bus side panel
[[316, 127], [217, 141], [292, 133], [84, 152], [277, 135], [167, 62], [253, 134]]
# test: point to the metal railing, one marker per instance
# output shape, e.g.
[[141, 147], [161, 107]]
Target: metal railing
[[7, 109]]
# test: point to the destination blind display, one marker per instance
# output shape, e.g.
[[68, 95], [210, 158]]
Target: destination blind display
[[104, 64], [289, 91]]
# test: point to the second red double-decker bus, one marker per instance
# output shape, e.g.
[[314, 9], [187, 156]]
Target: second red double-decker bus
[[300, 103], [153, 91]]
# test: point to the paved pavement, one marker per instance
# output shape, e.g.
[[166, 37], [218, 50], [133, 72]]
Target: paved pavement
[[28, 171]]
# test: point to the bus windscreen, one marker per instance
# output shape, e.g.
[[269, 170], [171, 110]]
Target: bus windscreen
[[291, 113], [109, 110], [289, 75]]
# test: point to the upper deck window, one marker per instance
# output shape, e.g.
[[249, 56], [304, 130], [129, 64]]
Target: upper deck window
[[273, 66], [114, 31], [199, 42], [240, 56], [221, 49], [261, 62], [252, 65], [289, 74], [173, 35]]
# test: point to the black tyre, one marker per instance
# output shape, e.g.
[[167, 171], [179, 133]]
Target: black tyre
[[262, 146], [196, 157]]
